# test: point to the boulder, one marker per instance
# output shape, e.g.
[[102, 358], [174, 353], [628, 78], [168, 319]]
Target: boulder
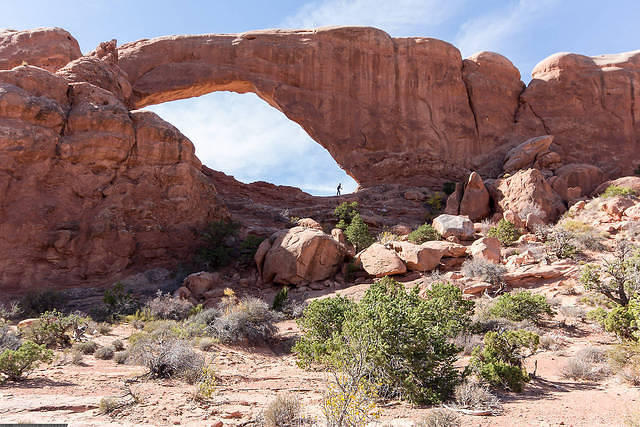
[[528, 275], [616, 206], [475, 200], [338, 236], [379, 261], [523, 156], [476, 288], [454, 225], [309, 223], [487, 248], [201, 283], [47, 48], [447, 249], [632, 182], [300, 255], [453, 201], [575, 180], [418, 257], [527, 191]]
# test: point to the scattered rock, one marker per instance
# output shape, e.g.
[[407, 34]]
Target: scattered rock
[[487, 248], [454, 225], [524, 155], [475, 200], [379, 261]]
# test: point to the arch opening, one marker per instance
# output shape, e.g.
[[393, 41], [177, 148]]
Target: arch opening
[[243, 136]]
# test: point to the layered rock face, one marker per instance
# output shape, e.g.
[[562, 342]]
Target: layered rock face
[[405, 110], [92, 188], [88, 189]]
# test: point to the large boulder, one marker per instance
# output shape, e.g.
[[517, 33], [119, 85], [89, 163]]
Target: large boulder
[[583, 176], [47, 48], [487, 248], [523, 156], [418, 257], [475, 199], [200, 283], [457, 226], [631, 182], [525, 192], [299, 255], [379, 261]]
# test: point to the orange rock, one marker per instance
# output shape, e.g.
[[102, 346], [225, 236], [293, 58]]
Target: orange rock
[[379, 261]]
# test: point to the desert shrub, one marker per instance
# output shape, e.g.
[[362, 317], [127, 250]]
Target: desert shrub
[[206, 343], [518, 306], [585, 365], [390, 327], [108, 405], [616, 190], [218, 240], [424, 233], [104, 353], [484, 270], [350, 402], [625, 359], [283, 411], [88, 347], [357, 233], [573, 312], [622, 322], [449, 188], [205, 383], [318, 322], [505, 231], [549, 342], [561, 244], [345, 212], [440, 417], [280, 299], [205, 317], [248, 247], [500, 362], [166, 306], [121, 357], [77, 357], [598, 315], [8, 339], [119, 302], [617, 279], [117, 345], [248, 321], [435, 202], [35, 303], [467, 342], [103, 328], [16, 364], [54, 329], [474, 395], [386, 237], [542, 231], [10, 310], [167, 357]]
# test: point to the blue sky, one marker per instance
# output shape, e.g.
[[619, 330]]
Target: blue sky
[[243, 136]]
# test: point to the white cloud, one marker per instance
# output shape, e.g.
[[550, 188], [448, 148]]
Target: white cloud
[[243, 136], [399, 17], [496, 30]]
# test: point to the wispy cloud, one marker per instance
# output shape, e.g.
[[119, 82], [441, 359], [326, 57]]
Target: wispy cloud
[[243, 136], [399, 17], [496, 30]]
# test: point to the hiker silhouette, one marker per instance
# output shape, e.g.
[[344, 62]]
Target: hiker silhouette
[[338, 189]]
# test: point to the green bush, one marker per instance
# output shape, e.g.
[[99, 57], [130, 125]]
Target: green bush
[[616, 190], [622, 322], [345, 212], [280, 299], [358, 233], [35, 303], [505, 231], [217, 248], [617, 279], [118, 302], [318, 322], [405, 340], [14, 364], [520, 306], [561, 244], [54, 329], [88, 347], [248, 248], [500, 361], [424, 233]]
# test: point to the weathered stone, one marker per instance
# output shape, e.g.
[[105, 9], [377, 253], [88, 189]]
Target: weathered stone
[[309, 223], [200, 283], [487, 248], [475, 200], [301, 255], [48, 48], [524, 155], [418, 257], [379, 261], [454, 225], [616, 206]]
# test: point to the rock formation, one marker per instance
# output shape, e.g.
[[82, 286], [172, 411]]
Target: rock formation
[[92, 188]]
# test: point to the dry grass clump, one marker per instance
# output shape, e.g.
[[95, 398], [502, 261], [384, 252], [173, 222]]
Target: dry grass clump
[[207, 344], [117, 345], [484, 270], [550, 342], [104, 353], [88, 347], [440, 418], [249, 321], [167, 307], [586, 365], [476, 396], [625, 360], [77, 357], [283, 411], [167, 357], [121, 357]]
